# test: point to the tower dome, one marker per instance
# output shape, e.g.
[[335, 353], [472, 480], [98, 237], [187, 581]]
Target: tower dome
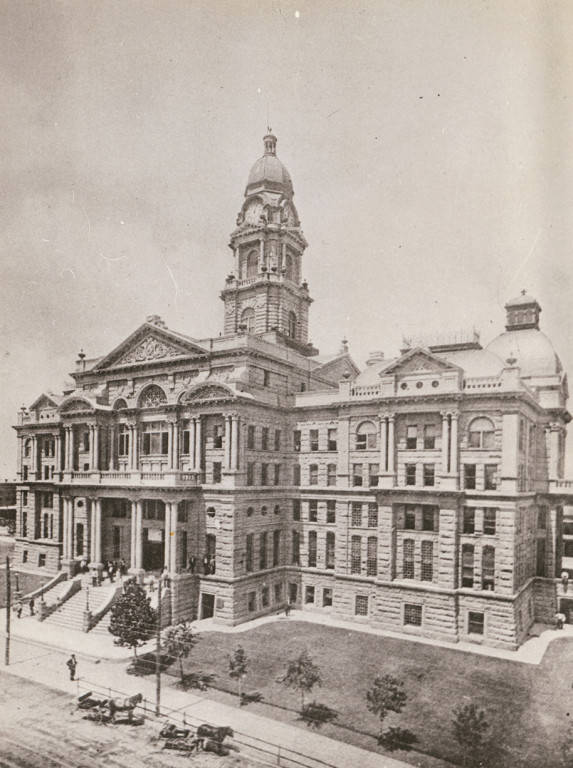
[[268, 173]]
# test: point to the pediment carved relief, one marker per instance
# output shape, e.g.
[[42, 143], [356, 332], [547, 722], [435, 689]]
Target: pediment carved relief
[[150, 348]]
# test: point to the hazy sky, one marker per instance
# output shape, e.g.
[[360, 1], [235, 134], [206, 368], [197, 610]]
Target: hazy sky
[[429, 144]]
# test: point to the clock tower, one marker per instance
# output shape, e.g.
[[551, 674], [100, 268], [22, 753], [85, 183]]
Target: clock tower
[[265, 294]]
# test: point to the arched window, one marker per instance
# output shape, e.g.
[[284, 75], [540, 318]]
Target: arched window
[[289, 267], [248, 320], [481, 434], [152, 396], [120, 405], [252, 264], [292, 325], [366, 436], [488, 568], [27, 447]]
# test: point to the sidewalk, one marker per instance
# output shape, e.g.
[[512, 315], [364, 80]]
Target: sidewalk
[[47, 666], [96, 646]]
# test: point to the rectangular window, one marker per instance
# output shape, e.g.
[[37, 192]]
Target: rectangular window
[[250, 436], [490, 477], [186, 439], [330, 549], [263, 550], [475, 623], [331, 511], [410, 517], [277, 439], [296, 474], [295, 548], [264, 474], [429, 436], [218, 431], [372, 556], [413, 615], [278, 593], [155, 439], [24, 498], [361, 605], [249, 557], [277, 474], [356, 518], [265, 439], [25, 556], [373, 475], [411, 437], [356, 475], [86, 441], [252, 602], [313, 438], [41, 560], [542, 518], [410, 474], [327, 597], [313, 511], [276, 548], [217, 469], [470, 476], [489, 520], [332, 439], [266, 379], [469, 525], [468, 566], [251, 473], [48, 500], [488, 568], [427, 561], [296, 509], [428, 518], [373, 515], [429, 474], [296, 440], [355, 554], [24, 524], [46, 473], [331, 474], [123, 440], [312, 549], [265, 597], [408, 558], [313, 474], [309, 594]]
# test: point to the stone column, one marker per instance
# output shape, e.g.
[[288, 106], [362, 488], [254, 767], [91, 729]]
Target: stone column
[[167, 542], [554, 444], [454, 449], [261, 255], [391, 445], [235, 423], [170, 445], [509, 452], [176, 445], [66, 466], [192, 442], [66, 527], [111, 448], [343, 468], [34, 454], [228, 439], [96, 448], [57, 452], [198, 445], [91, 452], [445, 447], [139, 534], [71, 529], [173, 533], [383, 443], [135, 448]]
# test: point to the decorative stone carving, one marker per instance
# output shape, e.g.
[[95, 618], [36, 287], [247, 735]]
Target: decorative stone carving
[[149, 349], [210, 392], [152, 397]]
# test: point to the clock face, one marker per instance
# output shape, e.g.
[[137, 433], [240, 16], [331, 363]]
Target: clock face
[[253, 212]]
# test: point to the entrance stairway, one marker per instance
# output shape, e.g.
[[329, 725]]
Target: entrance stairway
[[71, 614]]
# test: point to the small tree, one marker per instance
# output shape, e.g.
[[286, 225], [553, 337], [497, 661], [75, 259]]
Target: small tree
[[470, 731], [133, 620], [302, 674], [178, 642], [386, 695], [238, 667]]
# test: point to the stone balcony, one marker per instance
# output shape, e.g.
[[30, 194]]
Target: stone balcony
[[163, 479]]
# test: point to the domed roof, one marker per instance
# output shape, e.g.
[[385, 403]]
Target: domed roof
[[268, 172], [532, 350]]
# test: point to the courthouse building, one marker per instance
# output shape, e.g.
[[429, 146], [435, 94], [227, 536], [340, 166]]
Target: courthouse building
[[422, 494]]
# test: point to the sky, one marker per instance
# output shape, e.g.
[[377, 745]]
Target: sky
[[429, 143]]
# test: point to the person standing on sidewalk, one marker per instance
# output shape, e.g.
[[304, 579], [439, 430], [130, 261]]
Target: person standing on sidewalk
[[72, 665], [31, 607]]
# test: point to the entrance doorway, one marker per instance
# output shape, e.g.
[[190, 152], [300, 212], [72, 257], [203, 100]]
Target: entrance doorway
[[292, 593], [207, 605], [153, 548]]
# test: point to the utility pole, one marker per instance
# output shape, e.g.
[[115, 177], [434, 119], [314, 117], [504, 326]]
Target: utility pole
[[157, 656], [8, 612]]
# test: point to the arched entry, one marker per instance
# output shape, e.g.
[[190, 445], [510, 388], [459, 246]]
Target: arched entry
[[153, 535]]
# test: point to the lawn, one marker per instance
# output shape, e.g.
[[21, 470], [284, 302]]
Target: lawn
[[527, 705]]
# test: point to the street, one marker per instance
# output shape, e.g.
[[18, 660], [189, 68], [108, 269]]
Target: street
[[41, 727]]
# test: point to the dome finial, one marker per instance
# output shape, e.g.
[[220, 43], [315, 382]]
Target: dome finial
[[270, 142]]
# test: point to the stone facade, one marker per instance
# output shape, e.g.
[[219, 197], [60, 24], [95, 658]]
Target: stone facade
[[422, 494]]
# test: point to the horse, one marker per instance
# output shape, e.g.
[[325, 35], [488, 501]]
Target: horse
[[214, 733], [124, 705]]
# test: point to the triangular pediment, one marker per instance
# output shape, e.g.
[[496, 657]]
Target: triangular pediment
[[45, 400], [418, 360], [150, 344]]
